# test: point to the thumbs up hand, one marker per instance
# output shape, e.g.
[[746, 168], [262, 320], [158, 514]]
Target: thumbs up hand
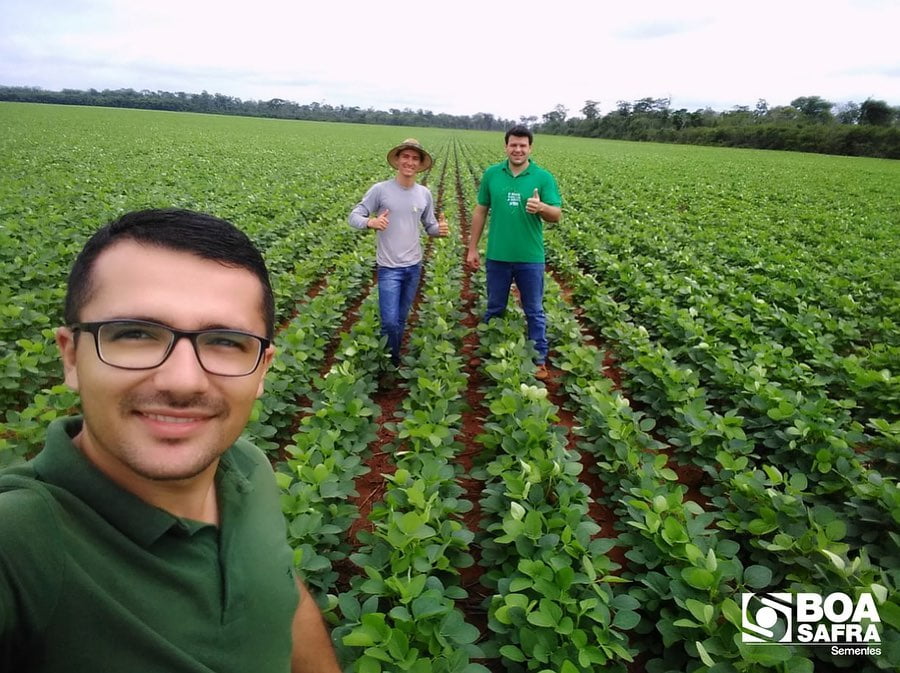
[[534, 205], [443, 227], [381, 222]]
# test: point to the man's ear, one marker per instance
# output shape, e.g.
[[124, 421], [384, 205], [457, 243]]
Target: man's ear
[[268, 354], [65, 341]]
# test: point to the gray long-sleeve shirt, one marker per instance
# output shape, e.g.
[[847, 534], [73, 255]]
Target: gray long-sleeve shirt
[[408, 207]]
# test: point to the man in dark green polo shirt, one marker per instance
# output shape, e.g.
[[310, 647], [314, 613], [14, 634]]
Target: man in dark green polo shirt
[[520, 196], [147, 536]]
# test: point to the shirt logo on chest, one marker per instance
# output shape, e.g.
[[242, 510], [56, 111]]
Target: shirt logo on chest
[[513, 199]]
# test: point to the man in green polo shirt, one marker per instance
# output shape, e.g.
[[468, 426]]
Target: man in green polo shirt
[[147, 536], [520, 196]]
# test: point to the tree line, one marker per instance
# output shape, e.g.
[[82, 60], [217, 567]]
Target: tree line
[[808, 124], [277, 108]]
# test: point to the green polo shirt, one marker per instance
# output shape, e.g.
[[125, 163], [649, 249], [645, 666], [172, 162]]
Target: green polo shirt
[[514, 235], [94, 579]]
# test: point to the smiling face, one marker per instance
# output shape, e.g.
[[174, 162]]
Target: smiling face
[[172, 422], [408, 162], [518, 149]]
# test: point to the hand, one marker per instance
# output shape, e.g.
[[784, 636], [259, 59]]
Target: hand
[[443, 227], [380, 223], [534, 205], [473, 259]]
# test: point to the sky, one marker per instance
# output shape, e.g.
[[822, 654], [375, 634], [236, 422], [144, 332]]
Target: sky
[[461, 57]]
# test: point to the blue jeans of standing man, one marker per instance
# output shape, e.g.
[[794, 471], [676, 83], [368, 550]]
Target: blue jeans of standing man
[[396, 290], [529, 278]]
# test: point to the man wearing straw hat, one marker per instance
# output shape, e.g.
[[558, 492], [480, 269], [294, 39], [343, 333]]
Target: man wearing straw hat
[[395, 209]]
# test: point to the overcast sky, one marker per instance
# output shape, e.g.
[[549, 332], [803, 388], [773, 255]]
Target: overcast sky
[[511, 59]]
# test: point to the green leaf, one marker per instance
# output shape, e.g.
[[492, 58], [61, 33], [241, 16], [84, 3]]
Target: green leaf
[[889, 612], [673, 531], [517, 511], [538, 618], [757, 576], [427, 606], [732, 612], [760, 527], [702, 612], [699, 578], [835, 559], [520, 584], [686, 623], [359, 637], [568, 667], [368, 665], [704, 657], [625, 602], [512, 653], [626, 619]]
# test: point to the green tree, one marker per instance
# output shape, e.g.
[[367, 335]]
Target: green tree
[[555, 119], [848, 113], [783, 113], [814, 108], [591, 109], [739, 115], [875, 112], [680, 118]]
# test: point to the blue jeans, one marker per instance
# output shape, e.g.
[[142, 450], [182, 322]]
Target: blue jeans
[[529, 278], [396, 290]]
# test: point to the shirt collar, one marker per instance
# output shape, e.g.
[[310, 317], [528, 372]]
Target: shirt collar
[[61, 463], [509, 170]]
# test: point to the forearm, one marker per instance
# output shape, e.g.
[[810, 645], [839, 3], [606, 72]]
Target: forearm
[[367, 209], [476, 227], [550, 213], [429, 218], [359, 217], [312, 650]]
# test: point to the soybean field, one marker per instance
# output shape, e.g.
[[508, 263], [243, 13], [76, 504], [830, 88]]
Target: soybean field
[[722, 416]]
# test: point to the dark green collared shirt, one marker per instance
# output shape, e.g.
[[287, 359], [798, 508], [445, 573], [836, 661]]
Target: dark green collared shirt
[[515, 235], [94, 579]]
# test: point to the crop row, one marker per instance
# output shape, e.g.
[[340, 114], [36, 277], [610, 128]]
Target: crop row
[[797, 431], [401, 611], [759, 507]]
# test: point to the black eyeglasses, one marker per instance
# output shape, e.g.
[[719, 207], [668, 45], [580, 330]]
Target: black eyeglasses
[[140, 344]]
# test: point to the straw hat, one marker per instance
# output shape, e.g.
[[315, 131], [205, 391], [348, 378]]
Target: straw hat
[[410, 144]]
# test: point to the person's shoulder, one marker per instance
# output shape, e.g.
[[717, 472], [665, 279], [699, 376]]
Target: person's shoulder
[[33, 553], [27, 511], [492, 170], [249, 456]]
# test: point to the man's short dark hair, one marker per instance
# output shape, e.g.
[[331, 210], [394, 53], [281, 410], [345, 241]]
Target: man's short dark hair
[[520, 132], [199, 234]]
